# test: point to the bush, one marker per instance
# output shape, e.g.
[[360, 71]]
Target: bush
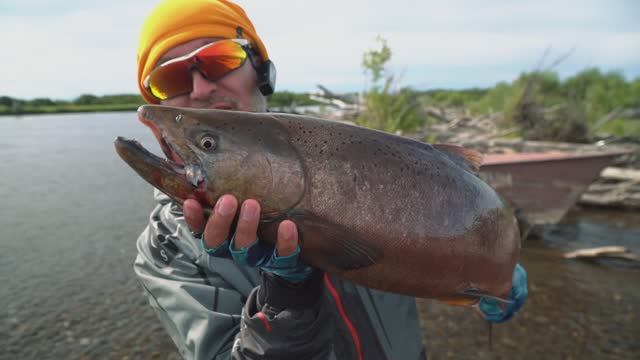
[[386, 105]]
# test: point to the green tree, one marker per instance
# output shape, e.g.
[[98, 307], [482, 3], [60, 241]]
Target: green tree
[[41, 102], [386, 106], [6, 101], [86, 99]]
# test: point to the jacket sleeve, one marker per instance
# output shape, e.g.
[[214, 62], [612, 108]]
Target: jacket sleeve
[[204, 307]]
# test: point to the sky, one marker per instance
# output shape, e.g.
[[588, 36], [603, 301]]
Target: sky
[[62, 49]]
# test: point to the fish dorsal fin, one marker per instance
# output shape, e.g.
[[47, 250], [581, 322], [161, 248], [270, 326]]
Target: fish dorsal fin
[[462, 156]]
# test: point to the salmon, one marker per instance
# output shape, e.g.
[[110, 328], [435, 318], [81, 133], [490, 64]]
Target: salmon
[[381, 210]]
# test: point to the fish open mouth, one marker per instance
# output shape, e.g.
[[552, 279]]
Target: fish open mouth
[[139, 157], [192, 172], [132, 150]]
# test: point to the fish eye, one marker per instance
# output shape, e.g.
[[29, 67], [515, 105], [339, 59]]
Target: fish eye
[[208, 143]]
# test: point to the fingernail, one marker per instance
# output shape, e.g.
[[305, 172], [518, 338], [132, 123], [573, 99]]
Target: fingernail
[[248, 212], [287, 231], [225, 206]]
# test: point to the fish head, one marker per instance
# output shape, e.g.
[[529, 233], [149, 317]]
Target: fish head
[[215, 152]]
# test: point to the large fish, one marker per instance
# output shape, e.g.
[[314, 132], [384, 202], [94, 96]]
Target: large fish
[[380, 210]]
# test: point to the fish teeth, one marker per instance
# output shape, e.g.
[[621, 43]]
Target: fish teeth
[[194, 174]]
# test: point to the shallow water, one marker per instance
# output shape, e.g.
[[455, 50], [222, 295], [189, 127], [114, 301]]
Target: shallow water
[[575, 310], [72, 211]]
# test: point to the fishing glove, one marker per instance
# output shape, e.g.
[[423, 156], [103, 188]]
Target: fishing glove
[[497, 313], [265, 257]]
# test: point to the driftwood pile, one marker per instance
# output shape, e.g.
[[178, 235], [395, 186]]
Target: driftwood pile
[[618, 185]]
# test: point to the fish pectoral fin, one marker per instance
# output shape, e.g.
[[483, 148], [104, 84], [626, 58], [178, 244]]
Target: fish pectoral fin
[[462, 156], [471, 297], [332, 246], [479, 295]]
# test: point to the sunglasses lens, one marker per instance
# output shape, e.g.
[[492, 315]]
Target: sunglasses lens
[[221, 58], [170, 80], [213, 62]]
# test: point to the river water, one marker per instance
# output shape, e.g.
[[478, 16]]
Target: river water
[[71, 211]]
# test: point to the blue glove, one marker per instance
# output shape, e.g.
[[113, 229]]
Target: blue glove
[[290, 268], [496, 313]]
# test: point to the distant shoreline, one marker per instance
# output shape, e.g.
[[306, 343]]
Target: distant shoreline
[[62, 109]]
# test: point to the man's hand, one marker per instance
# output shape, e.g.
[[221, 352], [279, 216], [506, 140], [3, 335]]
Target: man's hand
[[216, 229], [244, 248]]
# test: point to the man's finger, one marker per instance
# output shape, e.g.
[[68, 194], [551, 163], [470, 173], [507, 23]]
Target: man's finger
[[247, 228], [217, 229], [194, 216], [287, 238]]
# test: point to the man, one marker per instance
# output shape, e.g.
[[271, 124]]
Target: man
[[213, 301]]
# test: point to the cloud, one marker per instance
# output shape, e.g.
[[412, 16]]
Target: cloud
[[89, 46]]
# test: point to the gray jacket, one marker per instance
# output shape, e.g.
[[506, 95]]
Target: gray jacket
[[213, 308]]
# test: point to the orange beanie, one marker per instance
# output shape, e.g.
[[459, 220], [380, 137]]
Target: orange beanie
[[174, 22]]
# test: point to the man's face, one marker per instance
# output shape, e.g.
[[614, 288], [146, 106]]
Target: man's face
[[235, 91]]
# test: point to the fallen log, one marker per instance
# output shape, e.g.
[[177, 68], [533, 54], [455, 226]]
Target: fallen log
[[616, 173], [617, 252]]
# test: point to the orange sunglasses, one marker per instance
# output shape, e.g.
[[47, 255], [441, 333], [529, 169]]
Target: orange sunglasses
[[214, 61]]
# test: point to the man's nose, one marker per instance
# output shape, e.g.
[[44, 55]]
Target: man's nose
[[202, 87]]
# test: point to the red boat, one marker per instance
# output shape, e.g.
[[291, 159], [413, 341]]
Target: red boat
[[542, 187]]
